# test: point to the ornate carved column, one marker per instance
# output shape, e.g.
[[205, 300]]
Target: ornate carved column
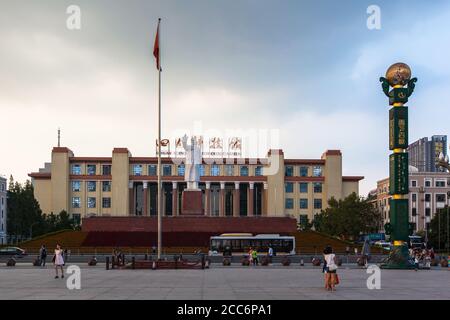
[[251, 186], [208, 199], [145, 202], [236, 206], [264, 200], [131, 198], [222, 199], [174, 199]]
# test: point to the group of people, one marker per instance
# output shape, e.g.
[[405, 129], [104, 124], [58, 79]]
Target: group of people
[[425, 255], [59, 258], [253, 255]]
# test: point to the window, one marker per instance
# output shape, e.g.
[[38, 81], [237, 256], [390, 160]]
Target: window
[[317, 187], [201, 170], [440, 197], [303, 203], [289, 203], [76, 203], [215, 170], [91, 169], [106, 202], [303, 187], [91, 202], [303, 171], [229, 170], [180, 170], [91, 186], [414, 197], [106, 169], [106, 186], [76, 169], [289, 171], [317, 171], [76, 186], [427, 197], [414, 212], [288, 187], [137, 169], [428, 183], [317, 203], [167, 170], [427, 212], [244, 171], [258, 171], [440, 184], [414, 183], [152, 170]]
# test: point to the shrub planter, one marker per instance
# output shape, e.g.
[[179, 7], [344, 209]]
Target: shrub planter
[[265, 261], [316, 262], [286, 261], [226, 262], [434, 263], [245, 262], [11, 262], [360, 262], [444, 263]]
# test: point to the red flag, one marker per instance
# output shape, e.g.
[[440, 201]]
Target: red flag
[[156, 48]]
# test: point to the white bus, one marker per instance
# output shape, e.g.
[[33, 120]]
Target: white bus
[[242, 242]]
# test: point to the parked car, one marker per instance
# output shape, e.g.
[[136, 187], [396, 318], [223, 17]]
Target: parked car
[[12, 252], [383, 244]]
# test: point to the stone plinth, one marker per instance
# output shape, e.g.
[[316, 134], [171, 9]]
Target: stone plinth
[[191, 203]]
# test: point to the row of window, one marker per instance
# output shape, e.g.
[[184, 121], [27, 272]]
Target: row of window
[[438, 183], [303, 203], [303, 187], [91, 202], [289, 171], [440, 197], [91, 169], [91, 186], [214, 170]]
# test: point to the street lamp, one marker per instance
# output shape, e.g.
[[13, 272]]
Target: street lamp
[[444, 163]]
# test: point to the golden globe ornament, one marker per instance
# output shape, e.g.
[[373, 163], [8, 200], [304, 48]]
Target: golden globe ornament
[[398, 74]]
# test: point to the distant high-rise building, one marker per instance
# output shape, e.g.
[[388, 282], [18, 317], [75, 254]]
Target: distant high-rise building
[[424, 153]]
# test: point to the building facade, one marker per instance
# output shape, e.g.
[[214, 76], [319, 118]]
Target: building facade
[[123, 185], [424, 153], [428, 192], [3, 210]]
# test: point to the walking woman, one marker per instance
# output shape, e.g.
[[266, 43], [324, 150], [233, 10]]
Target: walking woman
[[330, 273], [58, 261]]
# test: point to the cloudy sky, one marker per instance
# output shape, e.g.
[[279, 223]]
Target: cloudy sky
[[308, 69]]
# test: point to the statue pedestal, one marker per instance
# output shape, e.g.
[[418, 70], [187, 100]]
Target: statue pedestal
[[191, 203]]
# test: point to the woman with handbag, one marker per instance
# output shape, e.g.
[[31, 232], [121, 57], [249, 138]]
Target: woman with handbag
[[330, 275], [58, 261]]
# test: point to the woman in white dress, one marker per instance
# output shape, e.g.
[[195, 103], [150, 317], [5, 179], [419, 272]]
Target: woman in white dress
[[59, 261], [330, 275]]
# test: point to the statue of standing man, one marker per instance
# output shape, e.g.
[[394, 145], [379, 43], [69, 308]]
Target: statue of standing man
[[192, 163]]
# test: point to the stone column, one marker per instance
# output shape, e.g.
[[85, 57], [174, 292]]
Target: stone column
[[250, 199], [236, 206], [131, 198], [222, 199], [145, 202], [264, 200], [208, 199], [174, 198]]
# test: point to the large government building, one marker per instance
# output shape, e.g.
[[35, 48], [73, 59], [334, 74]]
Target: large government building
[[123, 185]]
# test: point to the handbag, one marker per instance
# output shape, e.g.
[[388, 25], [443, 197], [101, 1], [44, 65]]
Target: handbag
[[332, 265], [337, 279]]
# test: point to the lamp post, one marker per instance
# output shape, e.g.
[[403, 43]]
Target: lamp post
[[444, 163], [398, 76], [31, 229]]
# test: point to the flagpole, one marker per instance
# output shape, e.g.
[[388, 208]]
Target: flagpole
[[159, 148]]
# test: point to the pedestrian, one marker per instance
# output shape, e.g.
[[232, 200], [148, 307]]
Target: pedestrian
[[416, 261], [58, 261], [325, 250], [42, 255], [250, 255], [255, 257], [270, 254], [65, 256], [330, 274], [366, 252]]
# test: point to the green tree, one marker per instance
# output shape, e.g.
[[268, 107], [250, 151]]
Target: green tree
[[439, 229], [348, 218]]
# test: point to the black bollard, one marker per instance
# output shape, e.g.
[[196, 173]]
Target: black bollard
[[146, 257], [107, 263], [133, 261], [203, 261]]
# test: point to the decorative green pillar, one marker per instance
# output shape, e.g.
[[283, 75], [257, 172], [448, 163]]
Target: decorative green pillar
[[398, 76]]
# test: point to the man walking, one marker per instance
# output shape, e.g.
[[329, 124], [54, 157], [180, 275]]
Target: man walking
[[43, 255]]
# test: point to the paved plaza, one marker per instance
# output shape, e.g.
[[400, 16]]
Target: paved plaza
[[265, 283]]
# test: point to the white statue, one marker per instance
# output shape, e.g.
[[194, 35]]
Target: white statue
[[192, 163]]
